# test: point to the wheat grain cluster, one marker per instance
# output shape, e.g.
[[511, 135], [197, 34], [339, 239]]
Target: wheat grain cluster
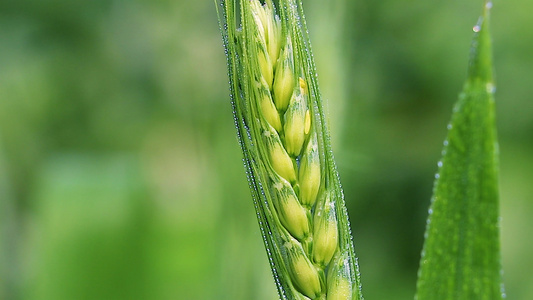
[[285, 142], [290, 139]]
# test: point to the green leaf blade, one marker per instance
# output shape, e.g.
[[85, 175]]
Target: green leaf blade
[[461, 256]]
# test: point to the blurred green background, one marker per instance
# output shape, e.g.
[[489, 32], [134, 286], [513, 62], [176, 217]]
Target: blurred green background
[[120, 172]]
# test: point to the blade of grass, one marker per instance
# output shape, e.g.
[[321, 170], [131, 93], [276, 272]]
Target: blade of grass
[[461, 255]]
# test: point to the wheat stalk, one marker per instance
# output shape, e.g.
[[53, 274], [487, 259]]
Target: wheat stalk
[[285, 142]]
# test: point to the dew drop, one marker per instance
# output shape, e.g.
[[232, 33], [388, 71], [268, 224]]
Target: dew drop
[[476, 28], [437, 176], [445, 143], [439, 164], [491, 89], [449, 126], [488, 5]]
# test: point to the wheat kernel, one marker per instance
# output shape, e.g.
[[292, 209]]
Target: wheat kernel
[[325, 232], [274, 35], [310, 173], [295, 125], [292, 214], [339, 283], [280, 160], [303, 273], [268, 108], [294, 217], [284, 80], [325, 243], [269, 29], [266, 66], [260, 16], [339, 289]]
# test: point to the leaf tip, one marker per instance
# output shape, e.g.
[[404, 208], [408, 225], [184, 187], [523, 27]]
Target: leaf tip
[[480, 66]]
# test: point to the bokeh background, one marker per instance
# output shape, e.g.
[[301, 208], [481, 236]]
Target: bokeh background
[[120, 172]]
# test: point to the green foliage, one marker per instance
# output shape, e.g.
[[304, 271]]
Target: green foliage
[[461, 256]]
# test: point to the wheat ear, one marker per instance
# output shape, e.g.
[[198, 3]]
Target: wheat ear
[[293, 178]]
